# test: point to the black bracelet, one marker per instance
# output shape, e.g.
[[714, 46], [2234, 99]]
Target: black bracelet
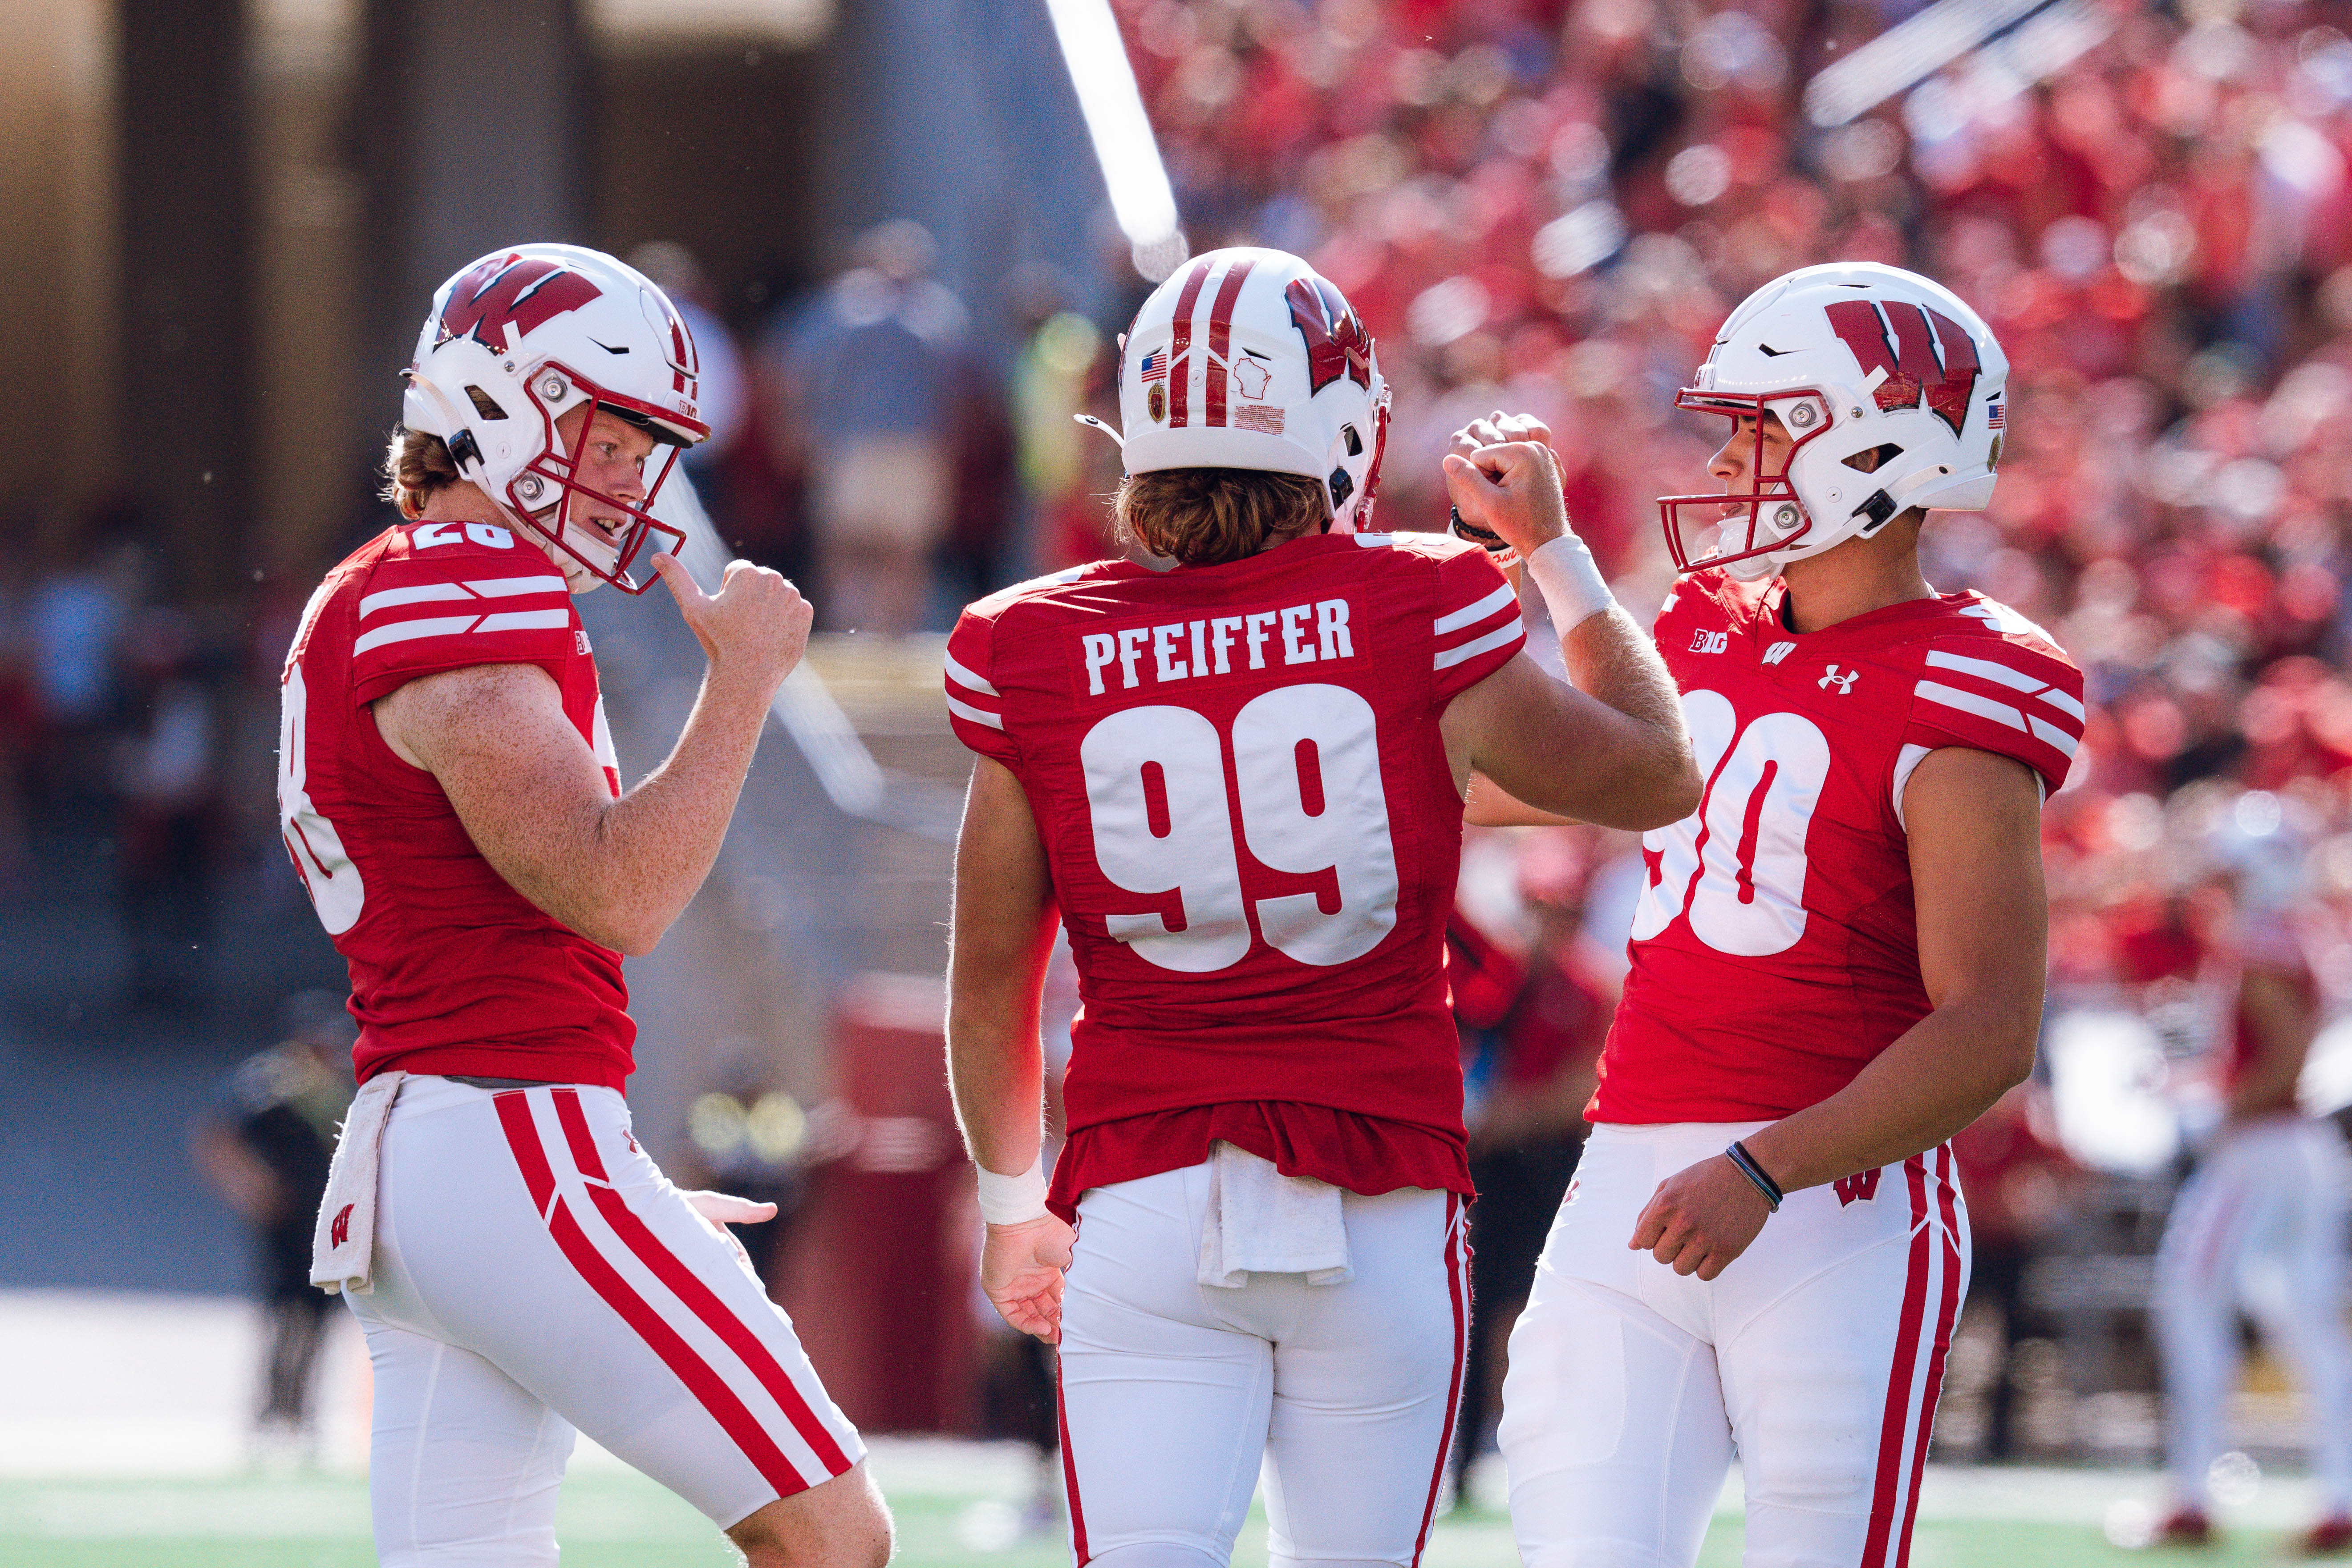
[[1486, 539], [1737, 1153]]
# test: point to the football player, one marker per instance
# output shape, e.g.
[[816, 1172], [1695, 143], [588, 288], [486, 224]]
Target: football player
[[2261, 1223], [1837, 964], [448, 791], [1238, 781]]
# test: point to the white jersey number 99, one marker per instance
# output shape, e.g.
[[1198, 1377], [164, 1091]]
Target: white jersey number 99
[[1307, 766]]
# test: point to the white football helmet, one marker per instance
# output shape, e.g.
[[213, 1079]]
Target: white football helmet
[[1852, 357], [1249, 359], [520, 337]]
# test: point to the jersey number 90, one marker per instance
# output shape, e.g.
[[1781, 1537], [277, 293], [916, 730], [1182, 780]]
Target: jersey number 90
[[1307, 771], [1737, 864]]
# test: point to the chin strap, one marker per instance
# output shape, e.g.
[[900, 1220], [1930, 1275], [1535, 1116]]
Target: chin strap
[[1089, 420]]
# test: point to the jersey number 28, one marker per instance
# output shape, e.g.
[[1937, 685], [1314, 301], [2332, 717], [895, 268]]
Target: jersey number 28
[[1737, 864], [1307, 768]]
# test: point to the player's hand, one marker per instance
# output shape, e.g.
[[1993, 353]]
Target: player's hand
[[1499, 427], [723, 1209], [757, 624], [726, 1208], [1509, 487], [1021, 1272], [1702, 1218]]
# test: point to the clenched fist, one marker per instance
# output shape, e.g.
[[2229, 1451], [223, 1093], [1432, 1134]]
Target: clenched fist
[[1502, 476], [755, 627]]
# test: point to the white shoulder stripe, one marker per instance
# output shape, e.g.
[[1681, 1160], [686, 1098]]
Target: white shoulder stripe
[[962, 677], [1448, 658], [485, 588], [407, 631], [2063, 740], [1970, 702], [1471, 615], [2015, 679], [525, 620], [389, 599], [1373, 541], [977, 715], [501, 587]]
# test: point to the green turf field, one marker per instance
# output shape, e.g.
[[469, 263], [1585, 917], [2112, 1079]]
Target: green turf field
[[612, 1520]]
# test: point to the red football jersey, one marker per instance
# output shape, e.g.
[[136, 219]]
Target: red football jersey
[[1239, 779], [452, 970], [1776, 947]]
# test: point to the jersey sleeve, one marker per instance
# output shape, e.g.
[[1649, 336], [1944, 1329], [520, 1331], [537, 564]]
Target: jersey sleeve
[[422, 614], [1477, 622], [975, 708], [2001, 695]]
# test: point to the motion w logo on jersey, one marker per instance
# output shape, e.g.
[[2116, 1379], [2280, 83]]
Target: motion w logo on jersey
[[1148, 654], [1862, 1184]]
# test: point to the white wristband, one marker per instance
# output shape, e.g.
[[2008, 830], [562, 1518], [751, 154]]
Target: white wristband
[[1572, 587], [1013, 1200]]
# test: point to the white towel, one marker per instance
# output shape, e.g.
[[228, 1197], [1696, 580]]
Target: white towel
[[343, 1247], [1261, 1221]]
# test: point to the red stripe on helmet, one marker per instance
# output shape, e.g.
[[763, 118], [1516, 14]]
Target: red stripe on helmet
[[1180, 370], [1221, 336]]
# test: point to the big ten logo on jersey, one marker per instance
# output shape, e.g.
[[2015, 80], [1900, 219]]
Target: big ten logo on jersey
[[1703, 641], [432, 535], [1737, 864], [1137, 656]]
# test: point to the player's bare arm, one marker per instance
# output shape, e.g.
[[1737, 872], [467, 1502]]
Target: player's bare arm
[[524, 781], [1975, 870], [2279, 1016], [998, 945], [1621, 721]]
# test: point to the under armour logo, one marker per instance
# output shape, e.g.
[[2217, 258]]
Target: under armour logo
[[1863, 1184], [1779, 651], [1710, 642], [1844, 683], [340, 1231]]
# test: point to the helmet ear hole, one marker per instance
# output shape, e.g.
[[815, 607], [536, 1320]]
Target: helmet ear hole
[[1877, 457], [1355, 442]]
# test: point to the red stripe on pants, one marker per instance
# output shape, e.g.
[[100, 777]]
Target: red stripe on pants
[[1896, 1419], [1221, 339], [688, 1288], [1935, 1382], [707, 1387], [1456, 1288], [1180, 369], [1069, 1469], [522, 1137]]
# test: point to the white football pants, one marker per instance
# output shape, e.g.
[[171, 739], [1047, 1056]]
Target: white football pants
[[1173, 1393], [2261, 1224], [535, 1273], [1817, 1355]]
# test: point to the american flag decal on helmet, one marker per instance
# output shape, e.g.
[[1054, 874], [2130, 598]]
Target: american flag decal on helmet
[[1154, 365], [1996, 414]]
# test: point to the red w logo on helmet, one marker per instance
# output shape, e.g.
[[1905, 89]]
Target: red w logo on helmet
[[1337, 344], [1910, 361], [525, 291]]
